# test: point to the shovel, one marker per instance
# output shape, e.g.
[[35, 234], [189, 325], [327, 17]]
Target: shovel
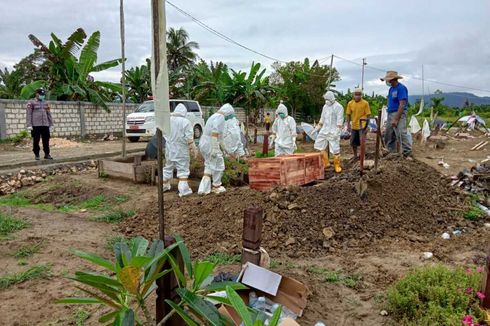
[[361, 186]]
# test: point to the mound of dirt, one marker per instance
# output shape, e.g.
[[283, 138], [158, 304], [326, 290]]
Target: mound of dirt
[[406, 201]]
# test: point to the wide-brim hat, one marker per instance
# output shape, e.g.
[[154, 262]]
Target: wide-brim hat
[[390, 75]]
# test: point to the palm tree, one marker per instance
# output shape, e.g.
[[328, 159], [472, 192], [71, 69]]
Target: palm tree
[[180, 51], [214, 83], [10, 83]]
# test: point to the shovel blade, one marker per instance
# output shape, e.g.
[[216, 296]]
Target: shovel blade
[[361, 188]]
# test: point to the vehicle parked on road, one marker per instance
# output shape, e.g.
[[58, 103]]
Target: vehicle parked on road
[[141, 123]]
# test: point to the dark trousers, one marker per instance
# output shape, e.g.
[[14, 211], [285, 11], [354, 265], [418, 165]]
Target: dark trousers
[[37, 134]]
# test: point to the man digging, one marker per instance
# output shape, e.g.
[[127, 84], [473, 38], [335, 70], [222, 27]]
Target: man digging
[[357, 109]]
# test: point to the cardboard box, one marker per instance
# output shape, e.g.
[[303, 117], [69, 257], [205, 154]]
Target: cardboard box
[[232, 314], [286, 291]]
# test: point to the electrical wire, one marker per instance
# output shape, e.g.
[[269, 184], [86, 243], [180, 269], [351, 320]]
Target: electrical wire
[[222, 36], [230, 40], [416, 78]]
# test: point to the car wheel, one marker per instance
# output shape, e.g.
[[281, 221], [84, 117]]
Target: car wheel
[[133, 139], [197, 132]]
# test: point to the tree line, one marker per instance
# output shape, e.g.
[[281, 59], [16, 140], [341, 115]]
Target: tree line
[[66, 70]]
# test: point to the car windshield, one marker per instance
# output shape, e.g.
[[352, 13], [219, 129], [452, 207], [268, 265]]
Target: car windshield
[[146, 107]]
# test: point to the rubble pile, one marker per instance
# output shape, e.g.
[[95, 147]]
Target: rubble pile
[[12, 182], [476, 180]]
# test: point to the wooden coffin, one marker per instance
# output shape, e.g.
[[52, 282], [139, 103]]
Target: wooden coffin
[[130, 168], [297, 170]]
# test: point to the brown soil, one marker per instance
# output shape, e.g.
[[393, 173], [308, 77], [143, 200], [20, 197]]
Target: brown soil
[[407, 200], [377, 239]]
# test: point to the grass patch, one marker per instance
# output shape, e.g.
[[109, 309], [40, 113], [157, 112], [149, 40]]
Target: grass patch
[[9, 224], [259, 154], [114, 216], [93, 203], [117, 238], [29, 250], [336, 277], [121, 199], [275, 264], [17, 200], [38, 271], [223, 258], [474, 213], [80, 316], [17, 138], [435, 295]]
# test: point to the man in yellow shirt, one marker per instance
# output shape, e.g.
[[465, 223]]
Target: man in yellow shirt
[[357, 109], [267, 121]]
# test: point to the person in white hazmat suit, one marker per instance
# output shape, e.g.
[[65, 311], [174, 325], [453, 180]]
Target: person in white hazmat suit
[[211, 145], [177, 146], [329, 129], [283, 132], [232, 138]]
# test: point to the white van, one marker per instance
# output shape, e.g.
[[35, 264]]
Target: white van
[[141, 123]]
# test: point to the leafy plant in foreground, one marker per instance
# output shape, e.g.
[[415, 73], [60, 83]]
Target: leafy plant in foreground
[[129, 281], [135, 270]]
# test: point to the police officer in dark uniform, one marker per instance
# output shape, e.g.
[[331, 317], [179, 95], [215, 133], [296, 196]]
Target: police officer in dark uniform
[[39, 120]]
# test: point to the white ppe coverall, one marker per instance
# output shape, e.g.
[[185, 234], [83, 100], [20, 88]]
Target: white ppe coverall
[[284, 132], [331, 121], [232, 138], [177, 145], [209, 144]]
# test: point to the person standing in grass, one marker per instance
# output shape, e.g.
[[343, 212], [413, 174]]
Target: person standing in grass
[[39, 120], [357, 109]]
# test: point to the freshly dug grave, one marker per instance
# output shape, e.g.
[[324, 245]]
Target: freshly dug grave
[[406, 201]]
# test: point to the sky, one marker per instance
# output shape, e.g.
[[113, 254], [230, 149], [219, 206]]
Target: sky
[[451, 39]]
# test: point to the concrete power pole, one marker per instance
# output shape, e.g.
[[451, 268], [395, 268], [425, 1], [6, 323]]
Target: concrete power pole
[[330, 78], [123, 77], [362, 74]]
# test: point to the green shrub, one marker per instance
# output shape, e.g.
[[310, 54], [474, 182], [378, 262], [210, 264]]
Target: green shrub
[[259, 154], [434, 295]]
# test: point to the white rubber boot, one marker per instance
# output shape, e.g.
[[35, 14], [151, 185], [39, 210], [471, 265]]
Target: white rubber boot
[[205, 185], [184, 189]]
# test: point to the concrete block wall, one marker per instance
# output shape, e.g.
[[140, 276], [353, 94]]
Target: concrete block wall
[[75, 119], [70, 118]]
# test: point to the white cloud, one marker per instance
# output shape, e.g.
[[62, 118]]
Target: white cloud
[[449, 38]]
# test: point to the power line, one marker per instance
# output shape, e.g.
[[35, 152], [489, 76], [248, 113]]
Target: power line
[[230, 40], [224, 37], [416, 78]]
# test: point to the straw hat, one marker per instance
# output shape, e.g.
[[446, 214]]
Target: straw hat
[[357, 90], [390, 75]]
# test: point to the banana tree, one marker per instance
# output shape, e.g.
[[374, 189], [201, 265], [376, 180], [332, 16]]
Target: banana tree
[[138, 82], [253, 91], [70, 77]]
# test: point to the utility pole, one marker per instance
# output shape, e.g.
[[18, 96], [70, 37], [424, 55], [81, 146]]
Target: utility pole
[[159, 83], [330, 78], [362, 74], [123, 77]]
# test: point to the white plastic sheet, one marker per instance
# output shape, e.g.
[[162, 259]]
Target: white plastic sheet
[[414, 125], [426, 130]]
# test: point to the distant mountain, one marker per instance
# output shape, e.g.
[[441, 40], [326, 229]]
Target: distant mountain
[[452, 99]]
